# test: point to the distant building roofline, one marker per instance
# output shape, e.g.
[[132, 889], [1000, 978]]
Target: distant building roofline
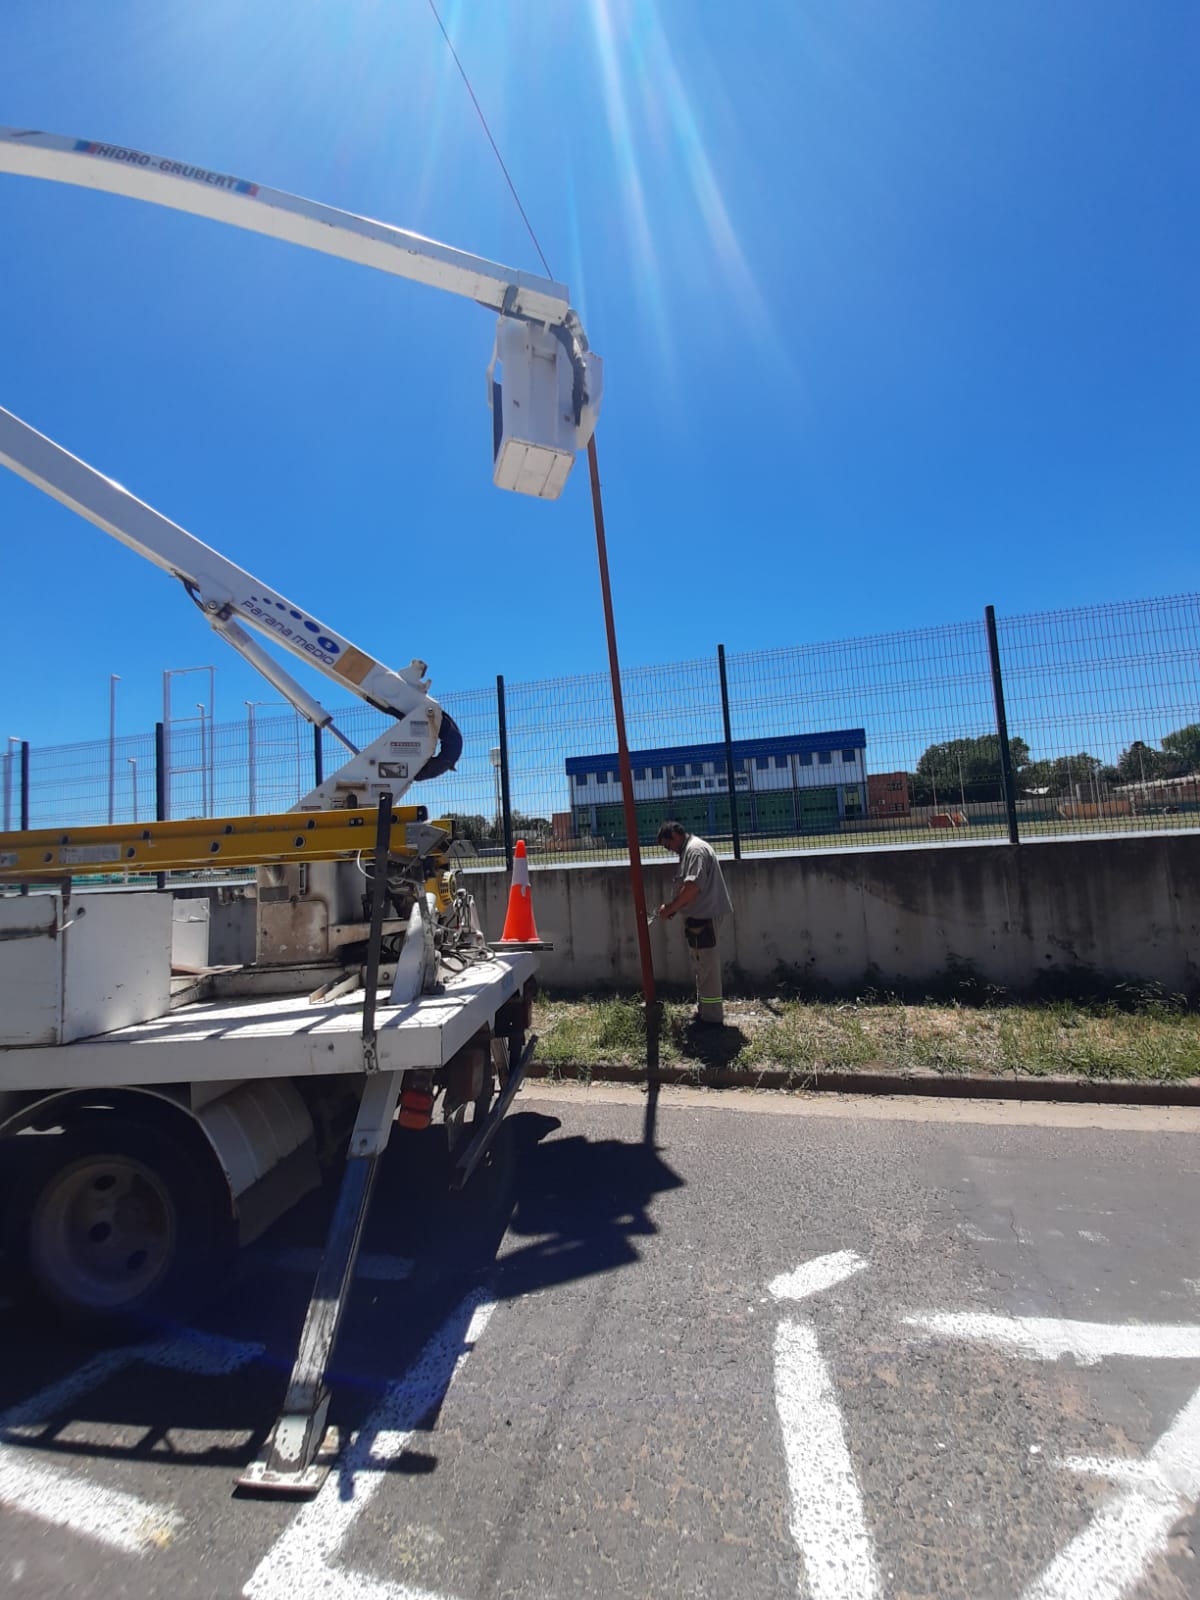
[[670, 755]]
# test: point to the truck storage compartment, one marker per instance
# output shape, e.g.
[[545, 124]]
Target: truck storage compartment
[[102, 963]]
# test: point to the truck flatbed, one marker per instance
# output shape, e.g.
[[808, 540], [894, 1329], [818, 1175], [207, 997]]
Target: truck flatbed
[[275, 1036]]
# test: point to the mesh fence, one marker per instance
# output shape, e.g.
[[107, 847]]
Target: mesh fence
[[854, 744]]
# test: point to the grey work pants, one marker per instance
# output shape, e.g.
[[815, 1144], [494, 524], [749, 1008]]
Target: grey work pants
[[701, 935]]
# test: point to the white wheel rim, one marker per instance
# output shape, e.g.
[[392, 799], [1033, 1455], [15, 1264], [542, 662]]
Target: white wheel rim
[[104, 1232]]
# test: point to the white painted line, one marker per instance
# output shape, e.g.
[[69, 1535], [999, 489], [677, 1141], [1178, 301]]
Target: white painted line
[[59, 1397], [1048, 1338], [53, 1494], [305, 1260], [114, 1518], [822, 1272], [205, 1355], [298, 1566], [1118, 1469], [1112, 1554], [828, 1524]]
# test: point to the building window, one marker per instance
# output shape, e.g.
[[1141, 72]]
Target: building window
[[826, 757], [848, 757], [762, 762], [639, 774], [656, 772]]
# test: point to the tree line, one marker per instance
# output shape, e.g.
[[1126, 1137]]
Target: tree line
[[485, 832], [969, 769]]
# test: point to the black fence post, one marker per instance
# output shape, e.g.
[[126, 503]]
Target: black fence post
[[505, 796], [318, 759], [160, 786], [379, 886], [729, 774], [24, 795], [1006, 770]]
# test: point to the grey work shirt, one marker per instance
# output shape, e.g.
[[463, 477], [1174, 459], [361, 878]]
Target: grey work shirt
[[699, 865]]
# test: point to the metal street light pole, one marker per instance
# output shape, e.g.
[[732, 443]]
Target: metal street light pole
[[168, 674], [251, 771], [113, 681], [495, 759], [203, 764], [212, 740]]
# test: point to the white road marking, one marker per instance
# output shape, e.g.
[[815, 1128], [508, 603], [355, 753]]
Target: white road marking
[[301, 1259], [57, 1397], [1114, 1551], [1120, 1469], [298, 1566], [109, 1515], [205, 1355], [820, 1273], [1133, 1526], [53, 1494], [828, 1524], [970, 1231], [1048, 1338]]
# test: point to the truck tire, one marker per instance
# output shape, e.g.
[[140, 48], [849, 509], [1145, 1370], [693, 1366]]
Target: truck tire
[[118, 1224]]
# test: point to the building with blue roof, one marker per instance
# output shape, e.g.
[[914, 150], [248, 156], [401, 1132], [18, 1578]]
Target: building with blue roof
[[792, 784]]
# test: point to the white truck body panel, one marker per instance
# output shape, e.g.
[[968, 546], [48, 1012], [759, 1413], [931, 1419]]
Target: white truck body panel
[[278, 1037], [102, 965]]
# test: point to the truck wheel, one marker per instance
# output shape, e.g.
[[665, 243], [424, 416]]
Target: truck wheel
[[120, 1223]]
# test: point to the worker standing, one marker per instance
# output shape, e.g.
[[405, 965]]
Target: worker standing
[[700, 892]]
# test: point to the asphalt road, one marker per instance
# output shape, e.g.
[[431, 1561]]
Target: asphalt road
[[764, 1346]]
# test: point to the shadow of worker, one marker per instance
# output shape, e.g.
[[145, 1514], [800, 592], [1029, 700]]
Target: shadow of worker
[[708, 1047], [581, 1203]]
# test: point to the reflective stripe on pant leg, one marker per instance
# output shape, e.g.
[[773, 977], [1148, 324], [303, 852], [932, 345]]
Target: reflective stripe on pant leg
[[709, 998]]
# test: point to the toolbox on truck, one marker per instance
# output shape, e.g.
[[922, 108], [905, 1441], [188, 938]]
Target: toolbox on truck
[[72, 969]]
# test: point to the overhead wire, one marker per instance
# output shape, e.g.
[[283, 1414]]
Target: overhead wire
[[495, 147]]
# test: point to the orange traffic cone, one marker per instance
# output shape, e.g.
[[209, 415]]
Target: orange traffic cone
[[519, 926]]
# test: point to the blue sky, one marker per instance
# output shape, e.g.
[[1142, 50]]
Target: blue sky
[[898, 303]]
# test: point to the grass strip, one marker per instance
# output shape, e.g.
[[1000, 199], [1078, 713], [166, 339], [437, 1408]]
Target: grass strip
[[1158, 1041]]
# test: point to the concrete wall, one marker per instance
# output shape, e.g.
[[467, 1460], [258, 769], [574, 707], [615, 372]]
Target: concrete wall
[[1120, 908]]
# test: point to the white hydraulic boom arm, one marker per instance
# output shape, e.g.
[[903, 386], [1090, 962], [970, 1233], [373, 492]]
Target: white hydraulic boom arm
[[545, 405], [226, 594], [118, 170]]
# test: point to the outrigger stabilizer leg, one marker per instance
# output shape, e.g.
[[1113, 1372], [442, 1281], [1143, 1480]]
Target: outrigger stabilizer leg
[[291, 1462]]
